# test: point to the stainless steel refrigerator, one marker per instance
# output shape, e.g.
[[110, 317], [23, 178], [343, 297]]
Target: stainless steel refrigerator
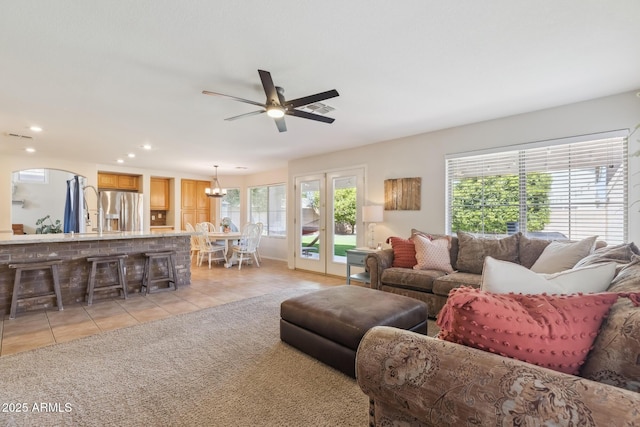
[[122, 210]]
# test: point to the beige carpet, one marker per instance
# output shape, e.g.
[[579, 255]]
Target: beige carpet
[[223, 366]]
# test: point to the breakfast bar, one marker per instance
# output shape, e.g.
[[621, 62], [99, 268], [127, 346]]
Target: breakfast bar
[[74, 269]]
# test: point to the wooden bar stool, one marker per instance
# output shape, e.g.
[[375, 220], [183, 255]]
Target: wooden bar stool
[[48, 264], [121, 273], [171, 278]]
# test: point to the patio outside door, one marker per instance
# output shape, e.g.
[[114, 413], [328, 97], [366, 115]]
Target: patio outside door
[[327, 218]]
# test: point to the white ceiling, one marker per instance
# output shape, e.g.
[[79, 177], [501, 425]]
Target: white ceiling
[[105, 77]]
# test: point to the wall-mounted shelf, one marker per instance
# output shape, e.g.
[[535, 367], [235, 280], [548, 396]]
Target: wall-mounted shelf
[[18, 202]]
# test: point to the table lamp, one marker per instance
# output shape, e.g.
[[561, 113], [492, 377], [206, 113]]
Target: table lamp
[[372, 215]]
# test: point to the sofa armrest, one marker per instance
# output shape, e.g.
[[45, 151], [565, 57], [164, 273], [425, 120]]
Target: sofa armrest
[[375, 263], [413, 378]]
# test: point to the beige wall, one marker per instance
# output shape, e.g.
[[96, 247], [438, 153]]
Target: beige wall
[[270, 247], [418, 155], [424, 156]]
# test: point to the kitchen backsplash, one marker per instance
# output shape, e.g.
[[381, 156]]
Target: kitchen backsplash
[[158, 218]]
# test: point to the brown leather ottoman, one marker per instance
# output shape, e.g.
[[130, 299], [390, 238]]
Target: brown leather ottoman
[[330, 323]]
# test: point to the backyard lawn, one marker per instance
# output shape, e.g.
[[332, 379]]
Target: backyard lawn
[[343, 242]]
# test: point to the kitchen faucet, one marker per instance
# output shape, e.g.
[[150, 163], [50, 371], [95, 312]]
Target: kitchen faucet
[[100, 210]]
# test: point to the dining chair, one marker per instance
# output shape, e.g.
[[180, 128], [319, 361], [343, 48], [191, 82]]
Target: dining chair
[[205, 247], [194, 241], [211, 228], [247, 247], [260, 229]]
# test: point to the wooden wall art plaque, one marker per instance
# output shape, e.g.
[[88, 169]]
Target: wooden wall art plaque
[[402, 194]]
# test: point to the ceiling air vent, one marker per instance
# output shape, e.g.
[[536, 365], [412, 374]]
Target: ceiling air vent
[[16, 135], [317, 108]]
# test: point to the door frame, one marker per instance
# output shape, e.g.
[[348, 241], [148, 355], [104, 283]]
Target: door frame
[[324, 263]]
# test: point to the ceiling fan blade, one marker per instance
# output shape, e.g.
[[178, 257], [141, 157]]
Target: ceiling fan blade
[[253, 113], [311, 116], [306, 100], [282, 126], [246, 101], [269, 87]]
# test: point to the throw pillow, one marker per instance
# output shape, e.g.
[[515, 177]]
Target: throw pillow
[[432, 254], [621, 254], [502, 277], [560, 256], [453, 248], [614, 358], [529, 250], [555, 332], [473, 250], [404, 252], [628, 279]]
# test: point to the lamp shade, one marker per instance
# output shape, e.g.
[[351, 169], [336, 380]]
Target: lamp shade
[[372, 213], [216, 189]]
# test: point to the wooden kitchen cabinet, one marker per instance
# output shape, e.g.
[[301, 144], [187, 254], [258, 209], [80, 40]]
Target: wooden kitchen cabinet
[[112, 181], [159, 194], [128, 182], [194, 203], [189, 189], [202, 201]]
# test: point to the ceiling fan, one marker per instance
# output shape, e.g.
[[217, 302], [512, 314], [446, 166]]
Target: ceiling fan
[[277, 107]]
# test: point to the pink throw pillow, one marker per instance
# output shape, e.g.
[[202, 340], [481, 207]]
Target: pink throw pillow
[[404, 252], [553, 331], [432, 254]]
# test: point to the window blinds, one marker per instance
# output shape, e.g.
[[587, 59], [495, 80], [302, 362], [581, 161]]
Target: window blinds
[[569, 188]]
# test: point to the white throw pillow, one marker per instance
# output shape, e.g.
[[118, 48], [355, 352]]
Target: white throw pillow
[[502, 277], [561, 256], [432, 254]]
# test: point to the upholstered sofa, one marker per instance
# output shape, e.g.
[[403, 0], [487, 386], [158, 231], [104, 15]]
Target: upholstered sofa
[[418, 380], [467, 254]]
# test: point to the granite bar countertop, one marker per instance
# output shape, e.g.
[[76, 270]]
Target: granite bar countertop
[[75, 270], [12, 239]]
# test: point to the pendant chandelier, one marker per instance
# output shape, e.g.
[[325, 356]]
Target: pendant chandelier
[[216, 189]]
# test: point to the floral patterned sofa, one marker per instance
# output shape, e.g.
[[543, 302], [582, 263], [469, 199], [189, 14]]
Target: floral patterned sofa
[[417, 380]]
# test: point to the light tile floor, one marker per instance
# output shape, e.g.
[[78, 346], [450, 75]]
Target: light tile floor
[[209, 288]]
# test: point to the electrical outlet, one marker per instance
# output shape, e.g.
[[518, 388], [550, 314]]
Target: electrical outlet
[[160, 216], [153, 217]]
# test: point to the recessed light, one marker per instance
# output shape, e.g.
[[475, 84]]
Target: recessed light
[[120, 161], [131, 155], [30, 150], [146, 146], [36, 128]]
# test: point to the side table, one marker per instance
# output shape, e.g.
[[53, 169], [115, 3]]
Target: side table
[[356, 258]]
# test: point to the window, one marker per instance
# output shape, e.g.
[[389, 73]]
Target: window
[[570, 188], [268, 204], [230, 206], [32, 176]]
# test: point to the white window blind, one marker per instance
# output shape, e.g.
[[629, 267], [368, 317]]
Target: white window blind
[[268, 204], [570, 188]]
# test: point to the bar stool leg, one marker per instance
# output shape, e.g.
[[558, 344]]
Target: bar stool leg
[[122, 277], [56, 286], [16, 291], [145, 276], [92, 282], [174, 272]]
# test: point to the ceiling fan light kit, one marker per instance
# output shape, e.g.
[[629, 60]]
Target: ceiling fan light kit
[[277, 107], [275, 112]]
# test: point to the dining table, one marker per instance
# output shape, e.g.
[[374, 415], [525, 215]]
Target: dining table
[[228, 237]]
